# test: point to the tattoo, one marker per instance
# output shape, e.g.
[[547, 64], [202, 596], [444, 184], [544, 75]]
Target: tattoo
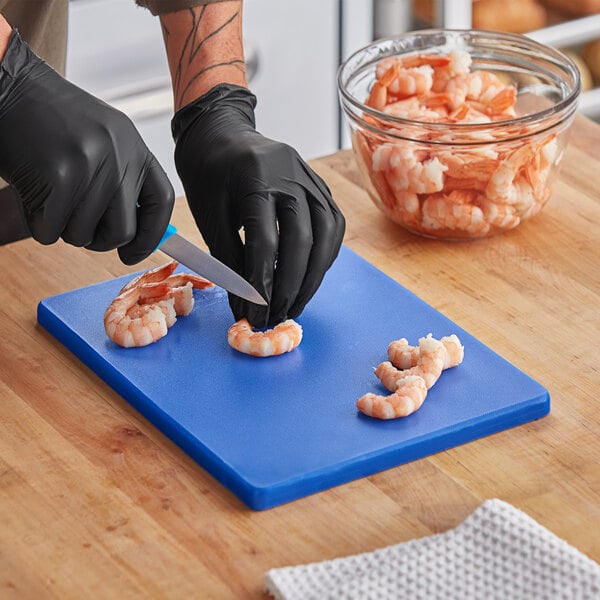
[[192, 63], [199, 74]]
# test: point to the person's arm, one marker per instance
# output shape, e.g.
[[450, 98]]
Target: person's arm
[[5, 33], [204, 48], [236, 179]]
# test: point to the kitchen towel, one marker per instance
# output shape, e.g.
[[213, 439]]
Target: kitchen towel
[[497, 552]]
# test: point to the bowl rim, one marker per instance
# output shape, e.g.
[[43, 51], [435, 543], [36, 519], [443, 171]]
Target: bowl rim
[[570, 101]]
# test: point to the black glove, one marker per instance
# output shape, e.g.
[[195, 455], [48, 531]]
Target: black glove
[[236, 178], [80, 167]]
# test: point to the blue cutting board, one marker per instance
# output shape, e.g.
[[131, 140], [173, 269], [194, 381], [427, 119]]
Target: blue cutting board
[[276, 429]]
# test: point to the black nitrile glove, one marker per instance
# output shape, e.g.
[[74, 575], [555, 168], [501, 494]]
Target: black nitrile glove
[[81, 169], [235, 178]]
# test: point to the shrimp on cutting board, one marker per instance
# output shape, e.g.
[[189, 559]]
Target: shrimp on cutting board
[[416, 370], [408, 397], [130, 324], [149, 304], [283, 338], [404, 356]]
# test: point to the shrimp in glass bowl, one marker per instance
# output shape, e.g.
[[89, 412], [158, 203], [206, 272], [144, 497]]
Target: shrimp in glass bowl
[[459, 134]]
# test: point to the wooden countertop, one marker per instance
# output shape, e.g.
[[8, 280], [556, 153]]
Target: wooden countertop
[[96, 503]]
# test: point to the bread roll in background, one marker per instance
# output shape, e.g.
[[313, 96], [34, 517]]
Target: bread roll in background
[[591, 56], [514, 16], [573, 8], [587, 81]]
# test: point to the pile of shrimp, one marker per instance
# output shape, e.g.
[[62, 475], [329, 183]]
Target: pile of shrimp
[[149, 304], [432, 187], [409, 373]]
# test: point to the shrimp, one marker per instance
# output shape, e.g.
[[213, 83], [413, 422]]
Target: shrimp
[[144, 325], [404, 356], [429, 366], [282, 338], [409, 169], [180, 286], [501, 188], [134, 316], [411, 82], [151, 276], [503, 216], [455, 183], [406, 399], [405, 209], [459, 63], [454, 211]]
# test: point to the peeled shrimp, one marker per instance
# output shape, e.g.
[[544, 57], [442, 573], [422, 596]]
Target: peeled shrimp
[[404, 356], [429, 366], [406, 399], [451, 183], [410, 170], [454, 211], [145, 325], [151, 276], [417, 370], [149, 304], [282, 338]]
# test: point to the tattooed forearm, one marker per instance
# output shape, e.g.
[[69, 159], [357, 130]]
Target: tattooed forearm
[[204, 47]]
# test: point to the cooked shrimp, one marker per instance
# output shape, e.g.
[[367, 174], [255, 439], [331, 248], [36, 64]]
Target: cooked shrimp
[[410, 82], [429, 366], [151, 276], [180, 287], [149, 304], [404, 356], [454, 211], [459, 63], [282, 338], [453, 184], [406, 399], [409, 169], [503, 216], [155, 294], [146, 324], [405, 209]]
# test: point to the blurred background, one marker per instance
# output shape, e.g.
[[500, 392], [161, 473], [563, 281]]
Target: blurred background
[[293, 50]]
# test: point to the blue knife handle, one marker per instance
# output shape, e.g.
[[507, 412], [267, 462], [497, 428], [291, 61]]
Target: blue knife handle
[[171, 230]]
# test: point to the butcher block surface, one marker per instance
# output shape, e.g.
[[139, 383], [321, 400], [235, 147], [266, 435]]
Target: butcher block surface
[[96, 501]]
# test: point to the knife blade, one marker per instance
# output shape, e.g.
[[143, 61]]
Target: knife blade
[[208, 266]]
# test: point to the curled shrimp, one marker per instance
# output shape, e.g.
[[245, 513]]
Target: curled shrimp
[[130, 324], [429, 366], [151, 276], [282, 338], [149, 304], [406, 399], [404, 356], [454, 211], [419, 368], [409, 170]]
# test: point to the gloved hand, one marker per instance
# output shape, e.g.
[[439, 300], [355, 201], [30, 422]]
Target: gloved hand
[[79, 166], [236, 178]]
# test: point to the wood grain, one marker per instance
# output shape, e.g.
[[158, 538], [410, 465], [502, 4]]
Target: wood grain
[[95, 502]]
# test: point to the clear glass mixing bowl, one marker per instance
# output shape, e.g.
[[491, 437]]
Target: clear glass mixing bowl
[[444, 171]]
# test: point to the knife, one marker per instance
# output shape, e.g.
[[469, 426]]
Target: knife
[[208, 266]]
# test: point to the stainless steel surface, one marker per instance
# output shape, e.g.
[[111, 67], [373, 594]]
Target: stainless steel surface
[[206, 265]]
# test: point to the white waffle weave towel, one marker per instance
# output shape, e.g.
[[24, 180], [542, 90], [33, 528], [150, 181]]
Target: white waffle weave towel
[[498, 552]]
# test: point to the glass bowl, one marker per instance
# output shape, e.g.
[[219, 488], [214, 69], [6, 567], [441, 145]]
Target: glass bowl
[[459, 134]]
